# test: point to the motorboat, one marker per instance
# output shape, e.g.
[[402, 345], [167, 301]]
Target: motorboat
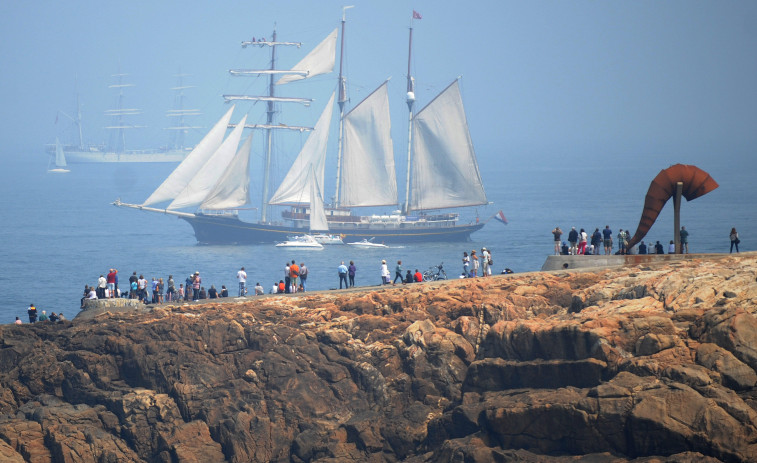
[[367, 244], [300, 241], [324, 238]]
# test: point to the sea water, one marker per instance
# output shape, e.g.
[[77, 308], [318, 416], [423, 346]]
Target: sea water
[[60, 231]]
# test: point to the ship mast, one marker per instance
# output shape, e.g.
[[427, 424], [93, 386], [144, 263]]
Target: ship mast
[[341, 101], [410, 104], [270, 99]]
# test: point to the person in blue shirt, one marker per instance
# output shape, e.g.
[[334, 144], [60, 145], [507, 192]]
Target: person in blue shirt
[[607, 238], [342, 269]]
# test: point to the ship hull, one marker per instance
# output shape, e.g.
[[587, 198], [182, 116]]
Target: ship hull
[[231, 230], [83, 157]]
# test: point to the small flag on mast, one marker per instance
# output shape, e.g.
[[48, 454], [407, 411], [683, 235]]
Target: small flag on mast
[[417, 15], [500, 217]]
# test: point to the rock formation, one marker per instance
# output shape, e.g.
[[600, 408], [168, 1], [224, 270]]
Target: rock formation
[[646, 363]]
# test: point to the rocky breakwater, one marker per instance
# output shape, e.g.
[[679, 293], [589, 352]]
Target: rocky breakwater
[[648, 363]]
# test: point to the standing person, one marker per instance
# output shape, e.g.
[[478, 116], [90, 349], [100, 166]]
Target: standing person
[[161, 290], [111, 279], [621, 242], [294, 274], [242, 278], [607, 238], [466, 263], [188, 287], [684, 241], [485, 261], [32, 312], [171, 289], [658, 248], [735, 239], [342, 271], [556, 233], [154, 287], [583, 238], [573, 240], [596, 240], [398, 273], [287, 278], [474, 261], [132, 285], [102, 283], [385, 275], [351, 270], [303, 275], [196, 281], [181, 292], [490, 262], [142, 289]]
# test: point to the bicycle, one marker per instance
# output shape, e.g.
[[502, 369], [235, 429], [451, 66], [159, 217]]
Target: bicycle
[[435, 273]]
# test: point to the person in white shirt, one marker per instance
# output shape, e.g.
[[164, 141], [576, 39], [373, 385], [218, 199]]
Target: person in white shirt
[[242, 277], [258, 289]]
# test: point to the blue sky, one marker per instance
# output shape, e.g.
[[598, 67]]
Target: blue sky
[[542, 80]]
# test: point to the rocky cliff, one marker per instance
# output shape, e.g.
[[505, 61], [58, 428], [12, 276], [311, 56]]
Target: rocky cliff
[[646, 363]]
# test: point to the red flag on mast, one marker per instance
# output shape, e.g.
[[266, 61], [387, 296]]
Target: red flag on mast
[[417, 15]]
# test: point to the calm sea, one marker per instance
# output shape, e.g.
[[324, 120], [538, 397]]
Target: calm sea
[[59, 231]]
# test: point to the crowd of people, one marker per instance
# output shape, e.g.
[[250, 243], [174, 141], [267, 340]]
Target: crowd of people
[[581, 243], [35, 317], [159, 291]]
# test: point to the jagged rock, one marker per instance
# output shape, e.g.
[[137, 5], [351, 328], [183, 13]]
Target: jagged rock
[[653, 363]]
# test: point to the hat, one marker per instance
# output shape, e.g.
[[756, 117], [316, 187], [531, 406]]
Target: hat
[[197, 273], [383, 261], [483, 249]]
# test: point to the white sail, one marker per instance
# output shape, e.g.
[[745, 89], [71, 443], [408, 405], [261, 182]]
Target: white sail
[[180, 177], [233, 188], [318, 222], [60, 158], [444, 168], [319, 61], [295, 188], [367, 177], [207, 176]]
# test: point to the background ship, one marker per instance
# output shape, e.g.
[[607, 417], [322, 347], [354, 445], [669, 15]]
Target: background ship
[[116, 149], [442, 168]]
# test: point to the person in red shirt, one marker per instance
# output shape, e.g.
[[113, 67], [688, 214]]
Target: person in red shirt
[[418, 276], [111, 280]]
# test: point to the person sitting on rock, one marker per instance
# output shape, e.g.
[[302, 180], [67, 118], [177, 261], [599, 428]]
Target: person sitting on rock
[[213, 292]]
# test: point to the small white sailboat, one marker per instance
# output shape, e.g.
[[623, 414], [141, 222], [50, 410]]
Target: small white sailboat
[[367, 244], [59, 160], [301, 242]]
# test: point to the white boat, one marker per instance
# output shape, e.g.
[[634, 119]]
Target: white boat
[[58, 161], [328, 239], [300, 241], [367, 244], [116, 150]]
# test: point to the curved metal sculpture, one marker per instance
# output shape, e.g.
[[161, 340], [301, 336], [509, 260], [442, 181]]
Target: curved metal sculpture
[[696, 183]]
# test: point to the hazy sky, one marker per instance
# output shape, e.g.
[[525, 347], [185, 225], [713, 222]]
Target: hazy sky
[[577, 81]]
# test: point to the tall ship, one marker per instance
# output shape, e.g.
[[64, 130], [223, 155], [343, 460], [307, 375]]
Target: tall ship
[[442, 170], [116, 149]]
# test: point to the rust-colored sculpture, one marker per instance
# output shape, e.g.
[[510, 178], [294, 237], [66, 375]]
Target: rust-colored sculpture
[[696, 183]]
